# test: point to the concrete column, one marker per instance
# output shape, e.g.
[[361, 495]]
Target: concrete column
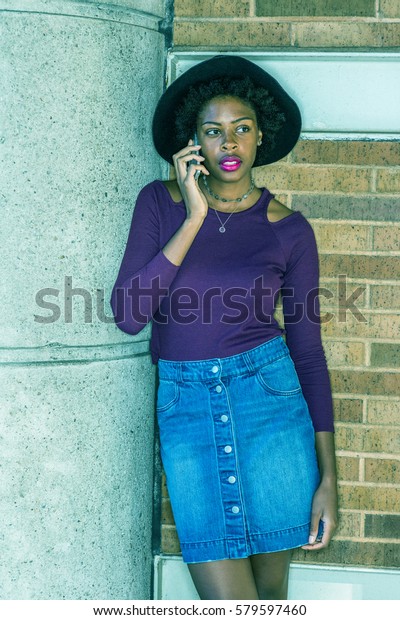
[[78, 84]]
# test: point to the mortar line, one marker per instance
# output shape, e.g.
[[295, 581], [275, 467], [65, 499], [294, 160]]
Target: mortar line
[[367, 344], [374, 369], [357, 425], [367, 540], [374, 176], [361, 531], [371, 397], [364, 410], [368, 485], [252, 8], [371, 237], [361, 470], [367, 297], [292, 19], [292, 34], [368, 512]]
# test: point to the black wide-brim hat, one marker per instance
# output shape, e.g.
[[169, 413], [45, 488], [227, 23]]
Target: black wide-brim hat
[[164, 132]]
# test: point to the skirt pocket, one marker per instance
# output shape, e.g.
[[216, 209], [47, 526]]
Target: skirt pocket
[[167, 395], [279, 377]]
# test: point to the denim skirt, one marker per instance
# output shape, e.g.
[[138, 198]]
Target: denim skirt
[[237, 445]]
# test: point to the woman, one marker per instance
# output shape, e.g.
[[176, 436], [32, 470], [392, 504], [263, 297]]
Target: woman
[[246, 429]]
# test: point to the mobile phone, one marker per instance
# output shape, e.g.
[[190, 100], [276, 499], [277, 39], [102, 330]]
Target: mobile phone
[[194, 161]]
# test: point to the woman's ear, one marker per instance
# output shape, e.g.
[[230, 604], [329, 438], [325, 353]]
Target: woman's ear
[[260, 135]]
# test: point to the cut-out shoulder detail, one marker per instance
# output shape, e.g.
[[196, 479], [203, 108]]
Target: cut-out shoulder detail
[[173, 189], [277, 211]]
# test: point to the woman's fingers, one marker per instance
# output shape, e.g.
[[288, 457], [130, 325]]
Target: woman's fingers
[[314, 527], [194, 168], [324, 512], [327, 535], [188, 158], [314, 542], [190, 149], [188, 164], [185, 163]]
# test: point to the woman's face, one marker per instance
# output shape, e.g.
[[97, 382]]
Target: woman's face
[[228, 132]]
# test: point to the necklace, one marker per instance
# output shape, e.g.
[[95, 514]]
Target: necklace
[[246, 195], [222, 228]]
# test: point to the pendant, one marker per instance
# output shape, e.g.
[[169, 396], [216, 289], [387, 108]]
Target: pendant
[[222, 229]]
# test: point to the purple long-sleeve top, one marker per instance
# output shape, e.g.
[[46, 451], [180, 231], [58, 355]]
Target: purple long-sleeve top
[[221, 300]]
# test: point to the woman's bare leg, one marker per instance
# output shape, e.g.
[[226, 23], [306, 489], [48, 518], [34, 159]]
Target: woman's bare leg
[[271, 573], [224, 580]]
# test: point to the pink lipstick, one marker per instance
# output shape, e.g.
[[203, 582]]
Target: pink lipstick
[[230, 164]]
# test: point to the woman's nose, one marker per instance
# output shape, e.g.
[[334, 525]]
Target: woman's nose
[[229, 142]]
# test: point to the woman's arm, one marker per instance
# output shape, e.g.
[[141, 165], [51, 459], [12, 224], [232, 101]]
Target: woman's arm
[[178, 246], [195, 202], [301, 311], [325, 506], [303, 336], [147, 271]]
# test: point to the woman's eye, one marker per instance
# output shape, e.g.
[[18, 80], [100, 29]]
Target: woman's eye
[[215, 131]]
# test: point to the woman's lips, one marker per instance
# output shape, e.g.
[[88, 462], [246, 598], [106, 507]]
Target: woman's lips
[[230, 164]]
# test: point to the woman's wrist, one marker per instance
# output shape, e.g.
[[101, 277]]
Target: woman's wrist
[[178, 246], [325, 447], [329, 479], [194, 220]]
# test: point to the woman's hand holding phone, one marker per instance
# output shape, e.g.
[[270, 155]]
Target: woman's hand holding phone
[[188, 167], [187, 162]]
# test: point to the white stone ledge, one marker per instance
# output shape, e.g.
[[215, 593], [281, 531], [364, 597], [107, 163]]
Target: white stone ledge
[[307, 582], [342, 95]]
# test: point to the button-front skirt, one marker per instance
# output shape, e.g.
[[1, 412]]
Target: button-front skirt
[[237, 445]]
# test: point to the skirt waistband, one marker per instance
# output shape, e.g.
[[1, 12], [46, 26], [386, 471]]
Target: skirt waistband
[[234, 365]]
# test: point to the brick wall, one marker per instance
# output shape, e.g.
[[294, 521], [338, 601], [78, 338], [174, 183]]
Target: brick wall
[[366, 24], [350, 192]]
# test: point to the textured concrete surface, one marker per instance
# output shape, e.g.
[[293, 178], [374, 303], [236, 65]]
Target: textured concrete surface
[[85, 8], [75, 149], [75, 480], [78, 83]]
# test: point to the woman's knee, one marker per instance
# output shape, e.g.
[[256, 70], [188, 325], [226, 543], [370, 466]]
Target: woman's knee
[[273, 591], [225, 579], [271, 574]]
